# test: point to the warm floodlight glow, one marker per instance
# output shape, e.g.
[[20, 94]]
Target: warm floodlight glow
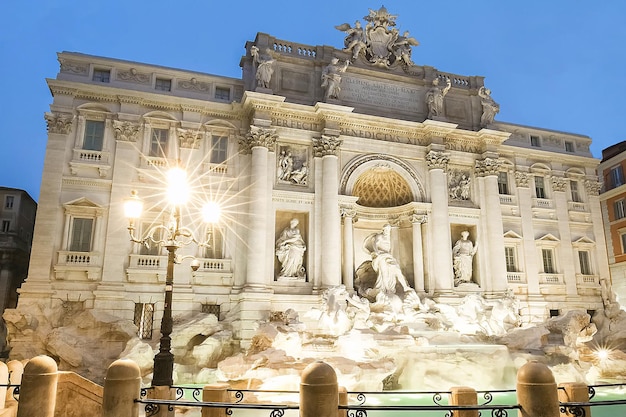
[[178, 190], [603, 354], [211, 212], [133, 206]]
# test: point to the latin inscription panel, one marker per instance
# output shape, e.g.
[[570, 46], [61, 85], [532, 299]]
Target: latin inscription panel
[[381, 94]]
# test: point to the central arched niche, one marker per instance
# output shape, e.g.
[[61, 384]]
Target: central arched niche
[[381, 181]]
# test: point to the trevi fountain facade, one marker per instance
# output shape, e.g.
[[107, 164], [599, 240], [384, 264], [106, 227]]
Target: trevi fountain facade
[[374, 215]]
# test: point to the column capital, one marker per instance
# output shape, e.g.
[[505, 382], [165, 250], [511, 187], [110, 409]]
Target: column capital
[[126, 131], [189, 138], [521, 179], [437, 160], [558, 184], [257, 136], [593, 187], [418, 218], [59, 122], [347, 211], [487, 167], [326, 145]]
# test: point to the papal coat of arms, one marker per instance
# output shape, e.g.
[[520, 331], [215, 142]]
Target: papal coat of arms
[[379, 43]]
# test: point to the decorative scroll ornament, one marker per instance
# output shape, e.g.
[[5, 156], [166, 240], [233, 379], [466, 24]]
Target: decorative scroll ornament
[[521, 179], [133, 75], [558, 184], [73, 67], [194, 84], [486, 167], [126, 131], [326, 145], [59, 122], [379, 43], [257, 136], [189, 139], [593, 187], [437, 160]]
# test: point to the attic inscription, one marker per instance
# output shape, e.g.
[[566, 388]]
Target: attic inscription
[[374, 93]]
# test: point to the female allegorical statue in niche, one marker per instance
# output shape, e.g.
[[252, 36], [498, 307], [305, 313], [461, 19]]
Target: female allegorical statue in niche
[[462, 255], [290, 248]]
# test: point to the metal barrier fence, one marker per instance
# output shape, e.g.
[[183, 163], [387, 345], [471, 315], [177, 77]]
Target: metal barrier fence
[[360, 408]]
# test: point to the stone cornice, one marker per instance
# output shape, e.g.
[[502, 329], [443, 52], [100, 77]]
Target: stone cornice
[[87, 183]]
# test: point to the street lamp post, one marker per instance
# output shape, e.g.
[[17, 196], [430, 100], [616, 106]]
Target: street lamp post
[[172, 238]]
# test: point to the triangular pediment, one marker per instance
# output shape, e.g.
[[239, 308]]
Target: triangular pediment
[[82, 202], [549, 237], [511, 235], [584, 241]]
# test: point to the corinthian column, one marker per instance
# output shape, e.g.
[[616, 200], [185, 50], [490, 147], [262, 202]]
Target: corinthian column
[[418, 252], [487, 172], [327, 147], [348, 214], [258, 141], [442, 242]]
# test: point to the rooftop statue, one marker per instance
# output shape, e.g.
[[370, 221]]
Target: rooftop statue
[[380, 43], [434, 98], [331, 78], [490, 107], [264, 66]]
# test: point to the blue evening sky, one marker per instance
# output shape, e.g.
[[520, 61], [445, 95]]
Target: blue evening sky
[[556, 64]]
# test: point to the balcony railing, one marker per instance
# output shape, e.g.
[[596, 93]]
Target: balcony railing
[[516, 277], [85, 155], [542, 203], [587, 280], [551, 279], [576, 206], [78, 258]]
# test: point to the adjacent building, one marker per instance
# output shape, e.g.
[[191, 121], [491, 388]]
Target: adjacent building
[[343, 141], [17, 221], [613, 201]]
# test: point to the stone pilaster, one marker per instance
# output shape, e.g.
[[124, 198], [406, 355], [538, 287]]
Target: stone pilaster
[[487, 172], [348, 215], [566, 261], [327, 148], [442, 241], [418, 251], [258, 142]]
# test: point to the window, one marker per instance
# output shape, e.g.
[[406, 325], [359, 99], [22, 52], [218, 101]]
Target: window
[[219, 147], [617, 176], [163, 84], [540, 188], [623, 237], [222, 93], [575, 193], [94, 135], [503, 182], [158, 142], [619, 210], [548, 261], [81, 235], [534, 141], [9, 200], [569, 146], [585, 265], [101, 76], [215, 250], [150, 247], [144, 313], [509, 255], [6, 226], [554, 313]]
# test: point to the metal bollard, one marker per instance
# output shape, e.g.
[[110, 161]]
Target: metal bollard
[[122, 386], [39, 388], [536, 391], [319, 392]]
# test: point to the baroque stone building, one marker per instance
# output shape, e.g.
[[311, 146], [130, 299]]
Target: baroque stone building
[[344, 141]]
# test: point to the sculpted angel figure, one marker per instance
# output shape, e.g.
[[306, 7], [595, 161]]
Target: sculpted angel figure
[[402, 48], [490, 107], [264, 67], [355, 40], [434, 98]]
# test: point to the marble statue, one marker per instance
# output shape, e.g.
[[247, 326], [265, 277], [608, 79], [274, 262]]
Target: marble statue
[[387, 268], [463, 254], [331, 78], [264, 66], [355, 39], [434, 98], [490, 107], [290, 248], [402, 48]]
